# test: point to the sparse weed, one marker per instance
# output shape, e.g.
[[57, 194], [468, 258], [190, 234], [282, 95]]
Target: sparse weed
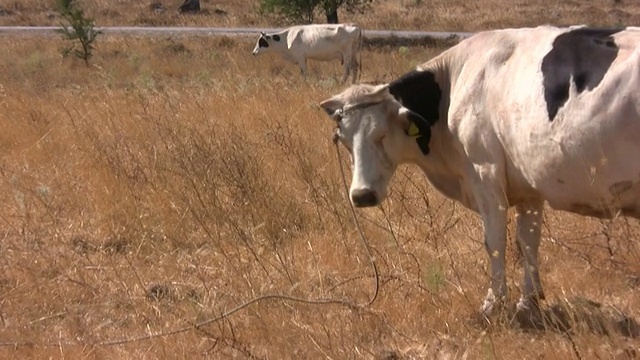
[[434, 277]]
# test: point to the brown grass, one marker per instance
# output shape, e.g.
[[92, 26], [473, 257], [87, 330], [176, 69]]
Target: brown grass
[[176, 179]]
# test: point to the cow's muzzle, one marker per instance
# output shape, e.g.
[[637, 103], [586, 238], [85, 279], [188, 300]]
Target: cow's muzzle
[[364, 198]]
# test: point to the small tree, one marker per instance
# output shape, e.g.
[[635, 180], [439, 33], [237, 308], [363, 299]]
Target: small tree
[[79, 31], [331, 8], [304, 10], [292, 10]]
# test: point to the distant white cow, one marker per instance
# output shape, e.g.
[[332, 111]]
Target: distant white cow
[[506, 118], [323, 42]]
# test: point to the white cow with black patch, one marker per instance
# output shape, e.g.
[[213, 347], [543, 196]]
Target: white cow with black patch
[[324, 42], [508, 118]]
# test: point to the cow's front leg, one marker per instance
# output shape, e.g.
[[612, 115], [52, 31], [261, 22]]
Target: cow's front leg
[[303, 67], [495, 242], [492, 204], [528, 228]]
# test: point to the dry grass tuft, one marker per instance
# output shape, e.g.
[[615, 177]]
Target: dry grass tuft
[[178, 178]]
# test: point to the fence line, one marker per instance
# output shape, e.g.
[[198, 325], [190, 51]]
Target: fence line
[[143, 30]]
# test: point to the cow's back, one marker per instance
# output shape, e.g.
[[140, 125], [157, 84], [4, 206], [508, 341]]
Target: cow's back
[[563, 108], [325, 41]]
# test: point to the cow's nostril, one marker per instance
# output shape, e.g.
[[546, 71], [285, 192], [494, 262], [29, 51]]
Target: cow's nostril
[[364, 197]]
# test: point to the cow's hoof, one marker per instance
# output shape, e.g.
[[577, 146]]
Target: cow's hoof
[[529, 314], [492, 304], [529, 303]]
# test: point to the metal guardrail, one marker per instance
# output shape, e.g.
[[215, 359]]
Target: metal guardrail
[[141, 30]]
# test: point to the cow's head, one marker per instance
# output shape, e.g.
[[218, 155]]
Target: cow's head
[[379, 133], [265, 42]]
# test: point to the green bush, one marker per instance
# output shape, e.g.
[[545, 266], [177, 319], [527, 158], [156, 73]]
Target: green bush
[[78, 30]]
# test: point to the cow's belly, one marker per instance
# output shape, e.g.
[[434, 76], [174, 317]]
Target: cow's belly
[[596, 172], [324, 55], [605, 197]]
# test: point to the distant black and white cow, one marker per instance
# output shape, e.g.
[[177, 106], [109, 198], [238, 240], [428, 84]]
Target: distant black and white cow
[[323, 42], [508, 118]]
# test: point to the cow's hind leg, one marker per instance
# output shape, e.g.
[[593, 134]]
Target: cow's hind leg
[[528, 228], [346, 65], [354, 70]]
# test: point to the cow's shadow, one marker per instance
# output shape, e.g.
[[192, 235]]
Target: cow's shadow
[[576, 315]]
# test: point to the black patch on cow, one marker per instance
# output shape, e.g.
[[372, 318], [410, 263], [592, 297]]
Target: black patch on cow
[[582, 54], [263, 43], [419, 92], [423, 134], [276, 37]]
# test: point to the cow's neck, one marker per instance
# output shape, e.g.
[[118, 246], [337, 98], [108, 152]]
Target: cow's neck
[[426, 92]]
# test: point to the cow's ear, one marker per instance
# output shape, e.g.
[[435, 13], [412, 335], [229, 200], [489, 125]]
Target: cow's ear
[[416, 127], [379, 92], [262, 33], [332, 107], [276, 37]]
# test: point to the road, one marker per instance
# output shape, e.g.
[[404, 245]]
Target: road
[[149, 31]]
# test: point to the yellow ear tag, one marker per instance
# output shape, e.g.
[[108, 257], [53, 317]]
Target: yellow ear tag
[[413, 130]]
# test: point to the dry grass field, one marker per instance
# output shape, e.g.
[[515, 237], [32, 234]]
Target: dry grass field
[[180, 199], [446, 15]]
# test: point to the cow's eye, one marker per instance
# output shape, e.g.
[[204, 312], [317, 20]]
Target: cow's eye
[[337, 115], [336, 135], [338, 138]]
